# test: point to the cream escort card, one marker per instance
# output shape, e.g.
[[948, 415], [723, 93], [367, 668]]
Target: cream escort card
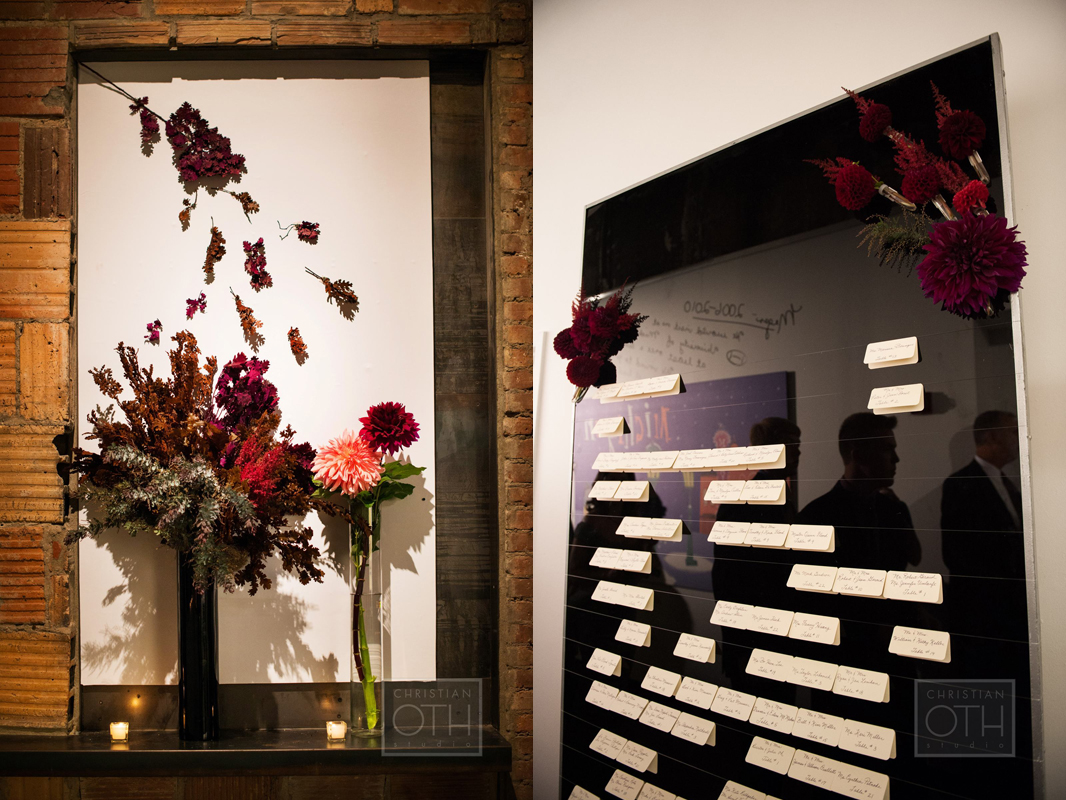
[[897, 399], [693, 460], [732, 703], [660, 717], [651, 387], [765, 456], [778, 717], [601, 695], [624, 785], [605, 557], [629, 705], [637, 597], [611, 462], [860, 582], [862, 683], [812, 578], [694, 729], [607, 744], [607, 592], [582, 794], [736, 791], [634, 561], [860, 783], [731, 615], [770, 755], [764, 493], [667, 530], [920, 643], [817, 727], [608, 391], [635, 633], [638, 758], [604, 490], [766, 534], [609, 426], [695, 648], [893, 353], [650, 792], [661, 681], [633, 491], [605, 663], [869, 740], [696, 693], [775, 666], [653, 461], [815, 628], [820, 538], [728, 459], [917, 587], [720, 492], [813, 674], [728, 532], [774, 621], [814, 769]]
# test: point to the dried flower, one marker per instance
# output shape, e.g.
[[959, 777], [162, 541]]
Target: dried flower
[[972, 195], [347, 464], [297, 346], [255, 265], [154, 329], [185, 214], [194, 304], [921, 184], [341, 292], [216, 248], [249, 324], [307, 232], [961, 132], [389, 427], [243, 392], [149, 122], [972, 263], [248, 205], [200, 151]]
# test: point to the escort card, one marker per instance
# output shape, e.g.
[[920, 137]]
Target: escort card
[[696, 693], [736, 791], [634, 561], [778, 717], [860, 582], [605, 557], [728, 459], [770, 755], [816, 727], [731, 615], [869, 740], [605, 663], [633, 491], [775, 666], [861, 683], [607, 743], [624, 785], [766, 534], [765, 493], [651, 387], [728, 532], [813, 674], [653, 461], [638, 758], [604, 490], [668, 530], [820, 538], [897, 399], [920, 643], [774, 621], [917, 587], [733, 704], [814, 769], [893, 353], [815, 628], [660, 681], [582, 794], [692, 460], [637, 597], [635, 633], [660, 717], [629, 705], [811, 578], [611, 462], [608, 391], [694, 729], [607, 592], [861, 783], [650, 792], [601, 695], [765, 456], [695, 648], [724, 492], [609, 426]]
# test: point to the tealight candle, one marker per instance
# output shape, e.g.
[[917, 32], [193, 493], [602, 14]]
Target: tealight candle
[[120, 731], [336, 730]]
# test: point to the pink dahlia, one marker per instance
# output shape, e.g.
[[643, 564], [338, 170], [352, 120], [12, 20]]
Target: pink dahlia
[[349, 464], [970, 261], [389, 427]]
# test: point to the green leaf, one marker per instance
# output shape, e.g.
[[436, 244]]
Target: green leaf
[[398, 471]]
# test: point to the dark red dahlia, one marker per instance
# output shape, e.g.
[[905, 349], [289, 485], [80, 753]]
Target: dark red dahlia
[[972, 195], [970, 261], [605, 321], [874, 120], [608, 374], [564, 345], [921, 184], [583, 371], [854, 187], [961, 133], [389, 427]]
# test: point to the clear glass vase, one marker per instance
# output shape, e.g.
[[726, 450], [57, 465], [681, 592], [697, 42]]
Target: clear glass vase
[[366, 595]]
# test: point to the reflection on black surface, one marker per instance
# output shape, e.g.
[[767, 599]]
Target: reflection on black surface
[[772, 430]]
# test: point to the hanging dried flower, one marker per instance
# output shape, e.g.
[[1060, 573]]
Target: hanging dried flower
[[248, 205], [154, 329], [200, 151], [341, 292], [249, 324], [185, 215], [255, 265], [149, 123], [972, 196], [216, 248], [296, 344], [194, 304], [305, 231]]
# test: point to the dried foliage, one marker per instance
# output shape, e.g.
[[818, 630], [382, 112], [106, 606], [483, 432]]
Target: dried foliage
[[297, 346], [249, 324], [255, 263], [898, 241], [185, 215], [248, 205], [216, 248], [341, 292]]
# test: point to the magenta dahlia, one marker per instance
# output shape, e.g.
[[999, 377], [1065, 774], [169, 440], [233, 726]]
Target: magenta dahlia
[[970, 261], [874, 120], [388, 427]]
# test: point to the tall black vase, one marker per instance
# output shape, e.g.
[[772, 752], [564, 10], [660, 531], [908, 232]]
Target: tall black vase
[[197, 658]]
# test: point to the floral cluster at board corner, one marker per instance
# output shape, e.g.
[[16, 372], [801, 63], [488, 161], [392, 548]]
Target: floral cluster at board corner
[[971, 262], [354, 466], [597, 334]]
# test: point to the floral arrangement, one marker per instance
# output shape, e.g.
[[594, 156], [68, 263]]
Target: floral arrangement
[[354, 466], [970, 261], [204, 467], [596, 335]]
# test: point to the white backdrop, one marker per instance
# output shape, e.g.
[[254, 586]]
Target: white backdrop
[[625, 90], [345, 144]]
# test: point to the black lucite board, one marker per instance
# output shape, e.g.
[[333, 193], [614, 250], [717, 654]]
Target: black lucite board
[[757, 295]]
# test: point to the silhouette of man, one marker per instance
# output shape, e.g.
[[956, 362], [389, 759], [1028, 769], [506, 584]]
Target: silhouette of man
[[772, 430], [979, 497]]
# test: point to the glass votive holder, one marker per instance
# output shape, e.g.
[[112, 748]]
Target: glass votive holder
[[336, 730], [120, 731]]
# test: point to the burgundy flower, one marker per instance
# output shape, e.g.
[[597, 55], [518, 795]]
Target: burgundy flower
[[970, 261], [307, 232], [961, 133], [389, 427], [564, 345], [242, 393], [200, 151], [255, 265], [154, 329], [583, 371], [854, 187], [972, 195], [921, 184], [581, 334], [149, 122], [874, 120], [608, 374], [604, 321], [194, 304]]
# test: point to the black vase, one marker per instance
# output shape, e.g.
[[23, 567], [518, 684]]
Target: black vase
[[197, 658]]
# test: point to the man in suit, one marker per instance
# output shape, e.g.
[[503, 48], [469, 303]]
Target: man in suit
[[979, 497]]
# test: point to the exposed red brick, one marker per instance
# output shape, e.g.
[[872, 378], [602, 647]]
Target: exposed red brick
[[517, 334], [521, 518], [511, 68], [511, 11], [516, 403], [252, 31], [512, 32], [524, 723], [96, 9], [214, 8], [519, 426], [7, 368], [114, 34], [514, 134], [47, 174], [34, 679], [517, 93], [516, 243], [22, 9], [443, 6], [320, 8], [21, 575], [523, 679], [423, 31], [518, 448], [30, 489], [518, 379], [518, 494], [514, 178], [522, 701], [372, 6], [522, 633], [517, 157], [323, 32], [44, 371], [519, 541], [517, 311], [34, 270], [517, 472]]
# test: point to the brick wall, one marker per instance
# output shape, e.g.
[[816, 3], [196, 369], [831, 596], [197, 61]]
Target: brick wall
[[38, 632]]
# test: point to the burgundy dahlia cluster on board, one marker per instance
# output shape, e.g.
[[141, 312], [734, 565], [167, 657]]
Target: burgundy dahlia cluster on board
[[597, 334]]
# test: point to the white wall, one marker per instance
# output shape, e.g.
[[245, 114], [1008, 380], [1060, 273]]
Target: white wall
[[625, 90], [344, 144]]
